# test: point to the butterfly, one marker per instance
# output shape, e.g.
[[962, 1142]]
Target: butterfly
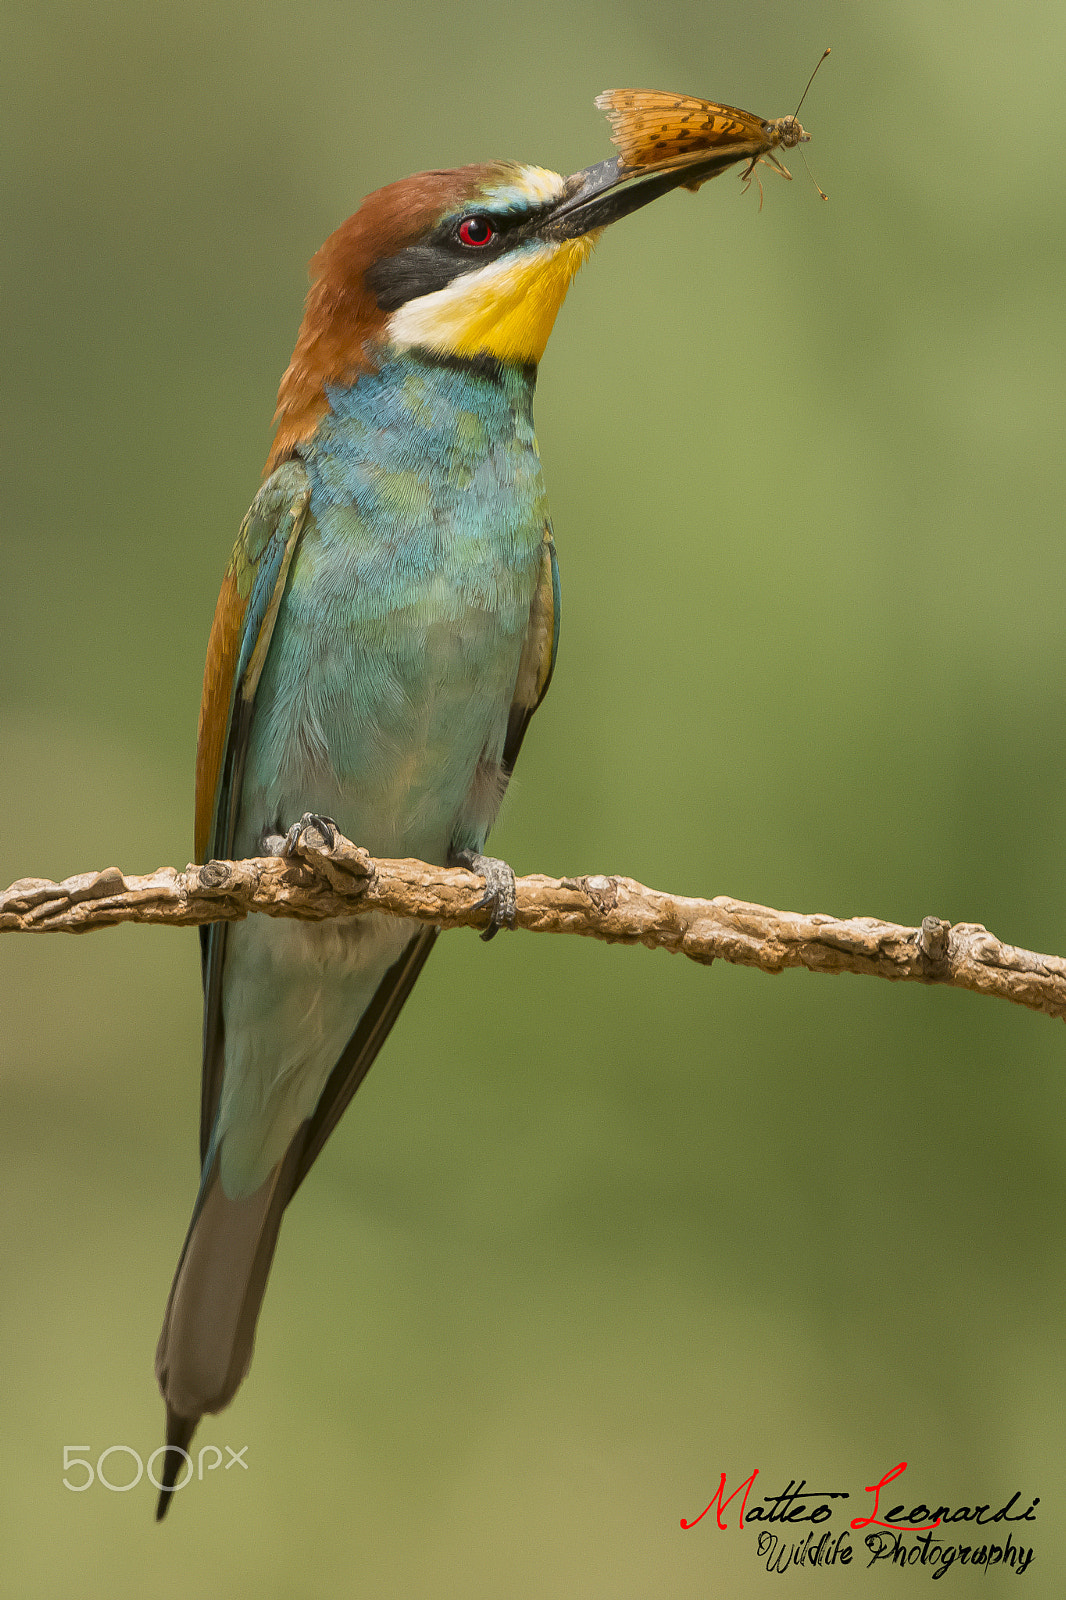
[[658, 131]]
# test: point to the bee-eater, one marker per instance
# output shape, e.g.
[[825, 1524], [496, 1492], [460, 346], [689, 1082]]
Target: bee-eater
[[386, 628]]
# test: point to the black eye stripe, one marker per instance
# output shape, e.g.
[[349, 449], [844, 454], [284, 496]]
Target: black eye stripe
[[443, 255]]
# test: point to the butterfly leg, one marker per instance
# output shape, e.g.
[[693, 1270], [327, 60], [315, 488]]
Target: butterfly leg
[[778, 166], [746, 177]]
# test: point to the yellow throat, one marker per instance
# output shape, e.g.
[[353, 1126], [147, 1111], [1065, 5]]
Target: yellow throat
[[505, 309]]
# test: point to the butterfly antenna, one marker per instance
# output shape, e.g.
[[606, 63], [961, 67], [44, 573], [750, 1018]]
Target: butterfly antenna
[[813, 179], [810, 80]]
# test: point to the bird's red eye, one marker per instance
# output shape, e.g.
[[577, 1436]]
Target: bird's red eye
[[477, 232]]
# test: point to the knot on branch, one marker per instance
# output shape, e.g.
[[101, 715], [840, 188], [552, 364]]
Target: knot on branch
[[934, 940], [214, 875], [601, 892]]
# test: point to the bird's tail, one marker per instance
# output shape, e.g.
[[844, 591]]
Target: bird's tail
[[209, 1325]]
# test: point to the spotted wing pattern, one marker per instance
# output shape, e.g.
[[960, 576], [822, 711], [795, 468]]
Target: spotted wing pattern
[[657, 130]]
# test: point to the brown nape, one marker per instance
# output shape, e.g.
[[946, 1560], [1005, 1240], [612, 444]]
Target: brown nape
[[342, 317]]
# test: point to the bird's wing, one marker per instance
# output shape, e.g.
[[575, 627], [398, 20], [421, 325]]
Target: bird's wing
[[240, 637], [538, 656]]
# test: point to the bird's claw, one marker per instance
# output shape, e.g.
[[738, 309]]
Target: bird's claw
[[297, 842], [499, 889]]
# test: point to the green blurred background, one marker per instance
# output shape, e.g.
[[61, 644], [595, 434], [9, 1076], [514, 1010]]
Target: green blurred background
[[601, 1224]]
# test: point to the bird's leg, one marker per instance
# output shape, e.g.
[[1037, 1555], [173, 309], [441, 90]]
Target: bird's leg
[[300, 838], [499, 887]]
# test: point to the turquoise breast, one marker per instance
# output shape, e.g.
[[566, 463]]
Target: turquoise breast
[[383, 703], [393, 663]]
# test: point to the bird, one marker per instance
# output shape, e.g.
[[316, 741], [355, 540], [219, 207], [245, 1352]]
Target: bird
[[387, 625]]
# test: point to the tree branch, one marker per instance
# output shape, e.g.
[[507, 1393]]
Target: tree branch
[[343, 880]]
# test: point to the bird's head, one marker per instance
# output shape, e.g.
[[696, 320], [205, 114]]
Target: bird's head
[[469, 263]]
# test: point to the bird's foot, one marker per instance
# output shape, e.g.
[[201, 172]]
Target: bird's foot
[[301, 840], [318, 843], [499, 888], [312, 835]]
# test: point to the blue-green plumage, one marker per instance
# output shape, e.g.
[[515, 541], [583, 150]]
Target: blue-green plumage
[[384, 703], [394, 647]]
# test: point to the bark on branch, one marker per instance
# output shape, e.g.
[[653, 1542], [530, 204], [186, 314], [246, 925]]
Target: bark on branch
[[344, 881]]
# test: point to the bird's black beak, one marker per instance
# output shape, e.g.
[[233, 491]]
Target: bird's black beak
[[603, 193]]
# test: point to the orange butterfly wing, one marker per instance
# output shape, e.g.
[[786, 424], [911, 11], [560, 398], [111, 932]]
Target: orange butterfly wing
[[658, 131], [653, 128]]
